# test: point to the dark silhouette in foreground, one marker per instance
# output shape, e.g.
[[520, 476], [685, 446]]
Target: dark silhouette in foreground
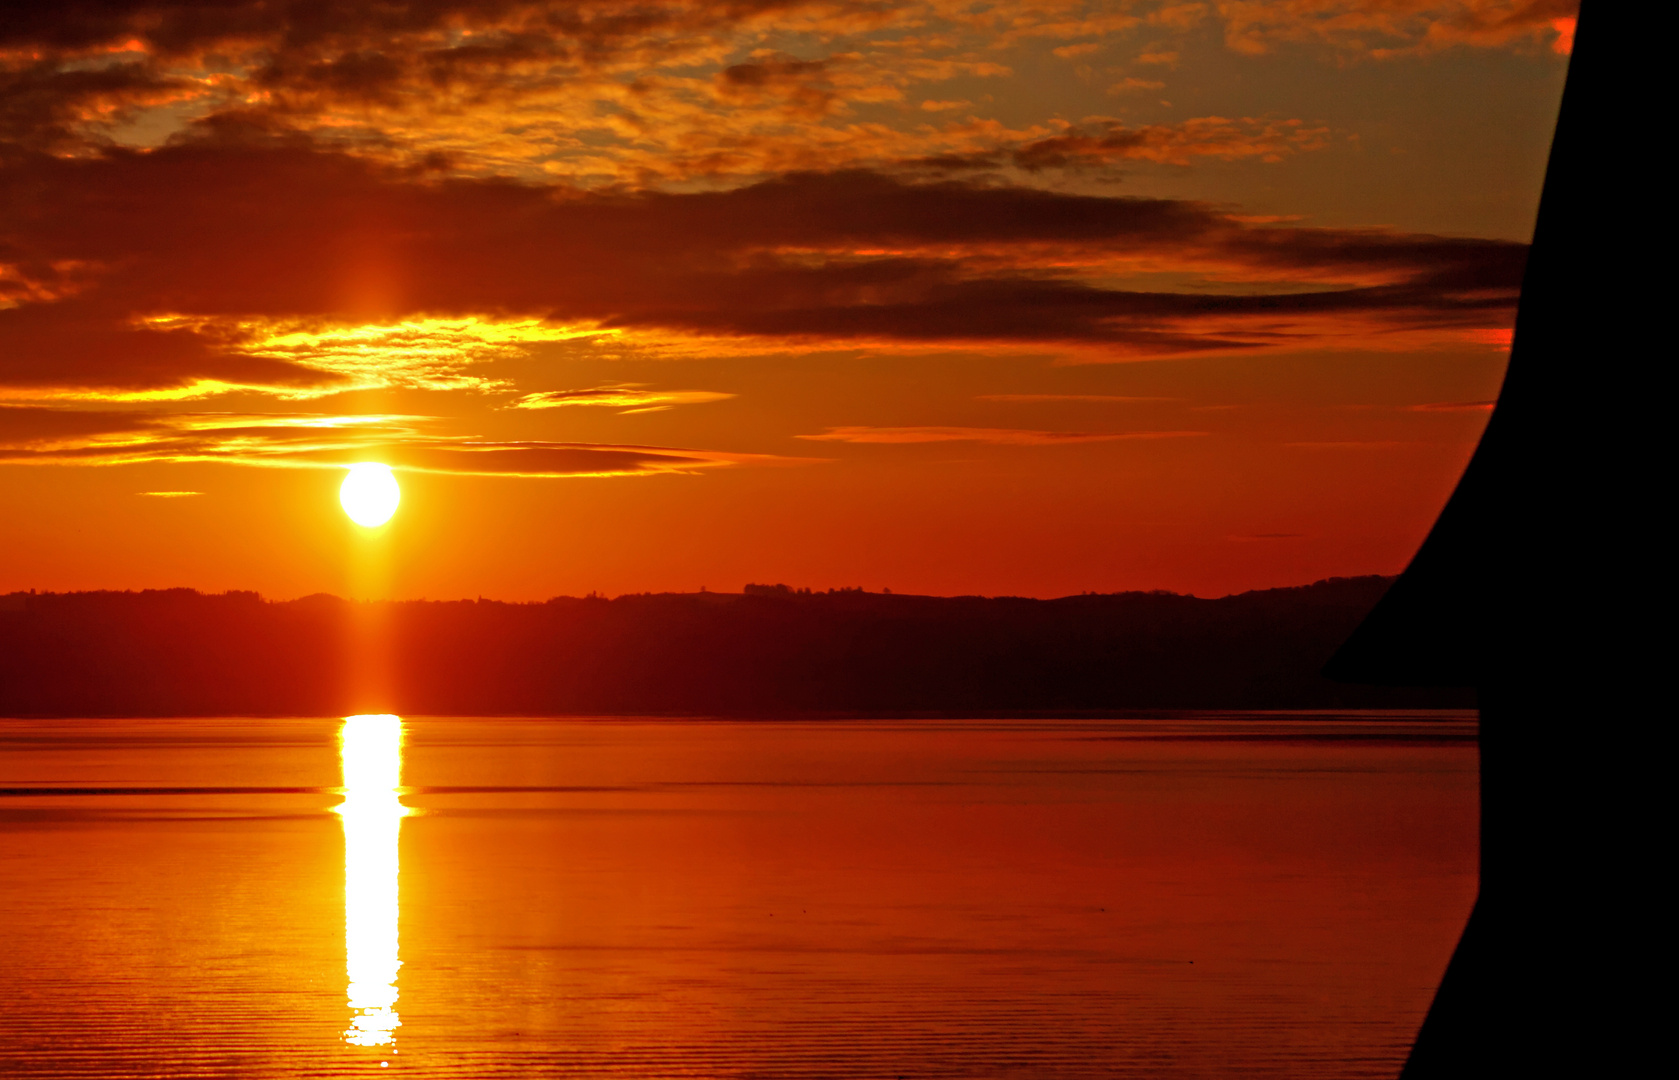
[[1523, 591], [771, 651]]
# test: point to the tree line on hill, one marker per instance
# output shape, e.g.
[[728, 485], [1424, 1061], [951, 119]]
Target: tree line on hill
[[765, 652]]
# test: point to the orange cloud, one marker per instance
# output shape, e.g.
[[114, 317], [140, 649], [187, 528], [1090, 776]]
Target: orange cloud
[[1395, 27], [627, 399], [1564, 43], [1133, 85], [600, 92], [427, 353], [36, 436], [1500, 336]]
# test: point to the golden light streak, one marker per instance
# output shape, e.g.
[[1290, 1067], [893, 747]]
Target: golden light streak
[[628, 398], [192, 391], [370, 748], [421, 353]]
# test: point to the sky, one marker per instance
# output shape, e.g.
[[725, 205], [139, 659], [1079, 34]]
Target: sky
[[1008, 297]]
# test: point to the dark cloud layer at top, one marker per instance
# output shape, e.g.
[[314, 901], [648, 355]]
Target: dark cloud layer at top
[[647, 92], [175, 26], [183, 25], [680, 94]]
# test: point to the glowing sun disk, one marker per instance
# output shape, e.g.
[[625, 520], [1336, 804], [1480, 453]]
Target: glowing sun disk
[[370, 494]]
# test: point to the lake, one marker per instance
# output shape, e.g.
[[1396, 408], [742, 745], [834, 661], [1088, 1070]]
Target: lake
[[1195, 895]]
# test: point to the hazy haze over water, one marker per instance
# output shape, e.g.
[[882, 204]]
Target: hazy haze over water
[[1193, 897]]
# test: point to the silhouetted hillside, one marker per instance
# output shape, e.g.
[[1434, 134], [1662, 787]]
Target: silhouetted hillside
[[769, 651]]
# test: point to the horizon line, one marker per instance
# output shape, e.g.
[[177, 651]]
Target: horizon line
[[749, 589]]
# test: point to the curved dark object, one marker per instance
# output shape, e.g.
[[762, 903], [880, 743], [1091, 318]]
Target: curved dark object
[[1480, 594], [1522, 590]]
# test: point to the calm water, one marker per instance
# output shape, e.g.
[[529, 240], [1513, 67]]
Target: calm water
[[1200, 897]]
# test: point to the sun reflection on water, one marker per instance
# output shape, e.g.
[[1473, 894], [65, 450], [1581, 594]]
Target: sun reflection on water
[[370, 748]]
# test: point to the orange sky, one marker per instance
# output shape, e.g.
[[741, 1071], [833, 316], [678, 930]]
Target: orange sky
[[996, 297]]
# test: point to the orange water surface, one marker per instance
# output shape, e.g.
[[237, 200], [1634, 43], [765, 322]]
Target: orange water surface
[[1192, 896]]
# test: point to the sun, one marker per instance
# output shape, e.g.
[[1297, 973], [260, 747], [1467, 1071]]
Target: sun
[[370, 494]]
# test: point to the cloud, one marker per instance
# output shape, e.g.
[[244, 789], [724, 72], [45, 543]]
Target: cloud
[[1100, 143], [423, 353], [601, 90], [629, 399], [1210, 136], [40, 428], [636, 92], [998, 436], [106, 350], [45, 107], [197, 269], [1133, 85], [249, 199], [1564, 27], [1396, 27], [38, 436], [538, 459], [1498, 336], [168, 494], [100, 436], [803, 87], [442, 36]]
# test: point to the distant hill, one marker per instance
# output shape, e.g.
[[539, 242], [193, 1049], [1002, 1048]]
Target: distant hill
[[769, 651]]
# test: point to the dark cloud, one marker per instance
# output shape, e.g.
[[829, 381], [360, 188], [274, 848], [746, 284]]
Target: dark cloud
[[764, 73], [177, 26], [24, 427], [185, 25], [302, 60], [80, 346], [571, 29], [365, 74], [44, 107], [800, 85], [551, 459], [1397, 27], [645, 91], [230, 229], [1081, 149]]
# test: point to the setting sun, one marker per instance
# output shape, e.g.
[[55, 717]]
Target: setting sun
[[1069, 538], [370, 494]]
